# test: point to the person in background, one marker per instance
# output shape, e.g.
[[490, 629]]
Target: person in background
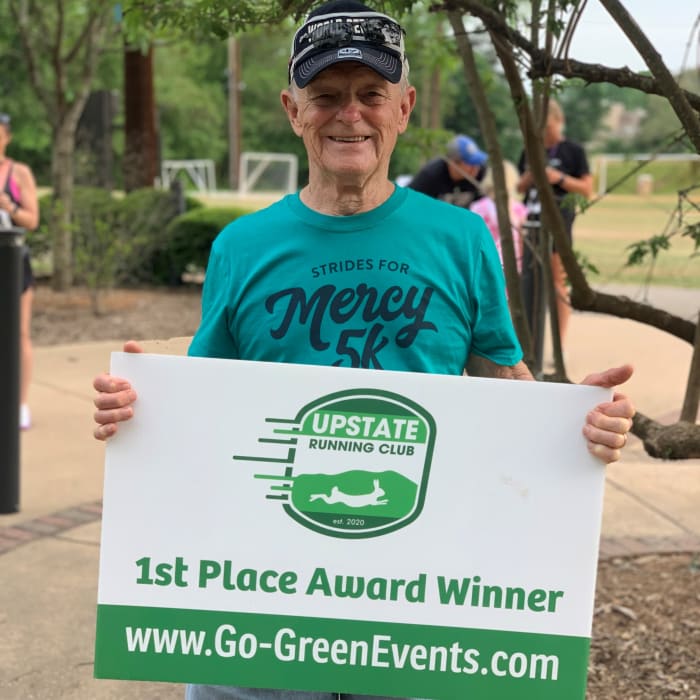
[[19, 205], [567, 173], [434, 265], [486, 209], [455, 177]]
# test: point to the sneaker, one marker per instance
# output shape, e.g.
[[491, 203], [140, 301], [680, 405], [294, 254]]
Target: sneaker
[[25, 417]]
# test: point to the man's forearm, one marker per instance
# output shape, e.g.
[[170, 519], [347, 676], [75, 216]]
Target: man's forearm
[[481, 367]]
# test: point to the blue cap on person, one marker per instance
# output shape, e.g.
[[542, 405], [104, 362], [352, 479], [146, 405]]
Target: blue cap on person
[[346, 30], [463, 148]]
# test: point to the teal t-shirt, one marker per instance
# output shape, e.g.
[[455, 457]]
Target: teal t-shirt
[[415, 284]]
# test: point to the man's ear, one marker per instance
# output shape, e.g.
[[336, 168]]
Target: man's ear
[[408, 102], [292, 109]]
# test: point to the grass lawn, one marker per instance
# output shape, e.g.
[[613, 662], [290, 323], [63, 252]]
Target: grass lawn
[[604, 231]]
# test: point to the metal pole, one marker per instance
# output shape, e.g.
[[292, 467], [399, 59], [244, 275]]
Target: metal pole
[[11, 242]]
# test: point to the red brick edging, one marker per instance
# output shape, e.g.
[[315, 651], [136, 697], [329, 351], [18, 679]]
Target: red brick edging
[[48, 525]]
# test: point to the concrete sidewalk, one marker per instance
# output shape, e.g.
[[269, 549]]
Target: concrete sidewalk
[[49, 550]]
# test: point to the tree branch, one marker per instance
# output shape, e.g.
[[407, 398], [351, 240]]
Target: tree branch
[[72, 52], [596, 73], [543, 65], [624, 307], [677, 441], [21, 19]]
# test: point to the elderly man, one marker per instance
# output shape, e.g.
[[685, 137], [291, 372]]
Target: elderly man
[[353, 271]]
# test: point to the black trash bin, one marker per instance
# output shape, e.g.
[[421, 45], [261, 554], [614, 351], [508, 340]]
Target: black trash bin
[[11, 246]]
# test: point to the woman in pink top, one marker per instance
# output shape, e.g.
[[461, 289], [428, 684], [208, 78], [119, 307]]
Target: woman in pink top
[[486, 209], [19, 206]]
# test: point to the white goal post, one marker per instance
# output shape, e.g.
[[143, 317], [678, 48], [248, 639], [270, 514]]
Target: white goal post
[[601, 160], [201, 172], [268, 172]]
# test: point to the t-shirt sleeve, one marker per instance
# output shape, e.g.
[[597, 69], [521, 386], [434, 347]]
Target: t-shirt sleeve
[[580, 165], [493, 335], [585, 168], [213, 337]]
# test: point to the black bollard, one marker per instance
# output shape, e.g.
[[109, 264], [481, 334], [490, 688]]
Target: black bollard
[[11, 242]]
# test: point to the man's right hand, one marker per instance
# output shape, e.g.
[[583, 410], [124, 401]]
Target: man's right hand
[[114, 400]]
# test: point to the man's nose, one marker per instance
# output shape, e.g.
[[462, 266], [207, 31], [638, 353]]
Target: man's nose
[[349, 110]]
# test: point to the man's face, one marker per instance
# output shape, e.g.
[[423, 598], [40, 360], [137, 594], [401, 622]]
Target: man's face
[[554, 128], [349, 118], [459, 168]]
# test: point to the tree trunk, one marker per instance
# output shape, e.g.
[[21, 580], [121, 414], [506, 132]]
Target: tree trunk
[[490, 134], [61, 210], [141, 161], [234, 112], [689, 412], [425, 102], [435, 99]]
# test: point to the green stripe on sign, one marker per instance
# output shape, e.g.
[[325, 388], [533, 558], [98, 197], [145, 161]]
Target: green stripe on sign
[[303, 653]]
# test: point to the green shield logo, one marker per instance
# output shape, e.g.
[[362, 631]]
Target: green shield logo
[[359, 464]]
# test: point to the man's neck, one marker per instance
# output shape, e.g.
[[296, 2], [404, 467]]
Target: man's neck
[[337, 199]]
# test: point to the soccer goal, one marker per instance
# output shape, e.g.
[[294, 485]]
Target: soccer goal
[[200, 172], [268, 172], [644, 180]]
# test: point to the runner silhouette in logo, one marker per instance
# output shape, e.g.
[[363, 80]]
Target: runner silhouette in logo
[[373, 498]]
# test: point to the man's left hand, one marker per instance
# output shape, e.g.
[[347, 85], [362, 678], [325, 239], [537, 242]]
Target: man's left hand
[[608, 424]]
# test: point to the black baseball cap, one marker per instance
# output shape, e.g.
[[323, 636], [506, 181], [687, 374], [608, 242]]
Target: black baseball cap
[[346, 30]]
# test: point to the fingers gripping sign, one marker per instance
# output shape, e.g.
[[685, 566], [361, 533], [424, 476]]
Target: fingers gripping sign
[[609, 423], [114, 400]]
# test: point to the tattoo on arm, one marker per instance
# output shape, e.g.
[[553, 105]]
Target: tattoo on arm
[[481, 367]]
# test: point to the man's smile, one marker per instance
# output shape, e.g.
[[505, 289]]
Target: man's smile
[[348, 139]]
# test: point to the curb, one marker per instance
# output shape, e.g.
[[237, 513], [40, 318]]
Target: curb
[[620, 547], [51, 525], [59, 522]]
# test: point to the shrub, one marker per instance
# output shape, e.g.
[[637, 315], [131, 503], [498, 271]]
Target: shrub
[[190, 237], [115, 240], [39, 241], [88, 203], [144, 216]]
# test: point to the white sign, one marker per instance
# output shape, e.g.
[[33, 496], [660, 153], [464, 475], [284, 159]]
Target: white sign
[[348, 530]]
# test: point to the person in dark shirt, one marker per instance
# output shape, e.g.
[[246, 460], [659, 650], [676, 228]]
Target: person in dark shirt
[[455, 177], [568, 173]]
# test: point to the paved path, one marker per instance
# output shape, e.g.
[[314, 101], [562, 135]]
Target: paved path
[[49, 550]]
